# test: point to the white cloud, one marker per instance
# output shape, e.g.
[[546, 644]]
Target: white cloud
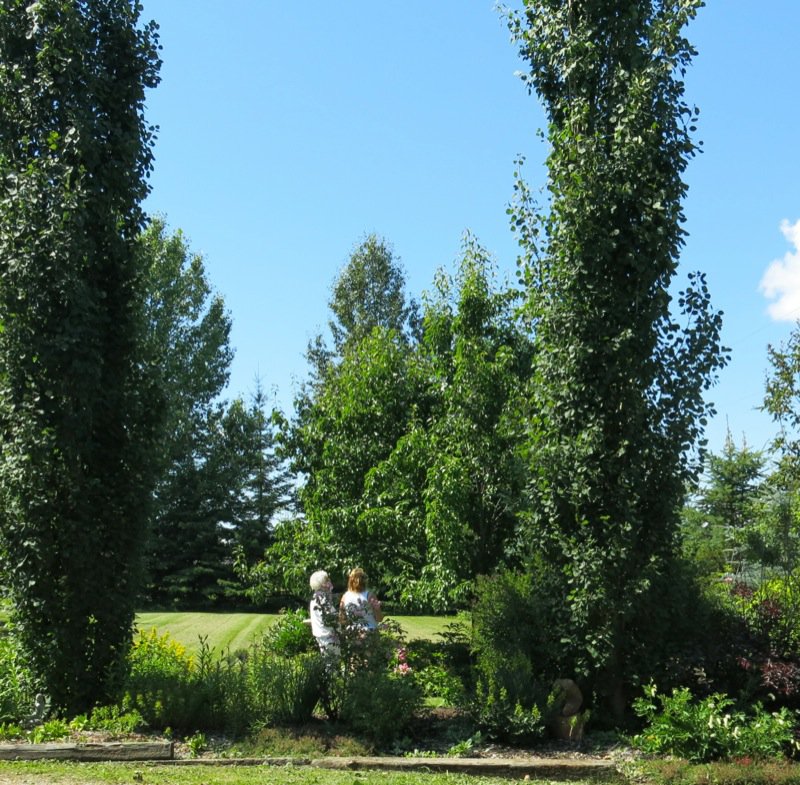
[[781, 281]]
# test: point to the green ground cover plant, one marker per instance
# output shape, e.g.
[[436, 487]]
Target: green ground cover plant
[[712, 728]]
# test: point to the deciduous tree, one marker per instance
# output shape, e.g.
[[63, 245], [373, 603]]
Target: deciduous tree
[[78, 412], [617, 404]]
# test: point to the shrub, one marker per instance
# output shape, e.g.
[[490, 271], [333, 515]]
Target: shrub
[[516, 627], [52, 730], [708, 729], [17, 688], [768, 653], [159, 684], [290, 634], [11, 731], [380, 705], [520, 615], [284, 690], [502, 716], [372, 687], [442, 668], [112, 719], [231, 693], [440, 685]]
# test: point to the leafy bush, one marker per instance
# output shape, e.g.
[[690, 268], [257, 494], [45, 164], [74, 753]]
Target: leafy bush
[[284, 690], [112, 720], [290, 634], [516, 627], [440, 668], [380, 705], [16, 682], [372, 687], [159, 684], [231, 693], [502, 716], [439, 684], [518, 618], [768, 653], [709, 729], [52, 730], [11, 731]]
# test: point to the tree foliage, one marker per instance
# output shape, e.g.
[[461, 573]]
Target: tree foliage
[[186, 342], [477, 357], [77, 411], [782, 400], [409, 450], [616, 400], [220, 482], [369, 292], [724, 513], [780, 531]]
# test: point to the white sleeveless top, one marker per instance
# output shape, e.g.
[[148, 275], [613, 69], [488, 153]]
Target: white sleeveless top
[[358, 609]]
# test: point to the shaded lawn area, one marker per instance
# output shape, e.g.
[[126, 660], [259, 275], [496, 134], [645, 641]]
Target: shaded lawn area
[[237, 630]]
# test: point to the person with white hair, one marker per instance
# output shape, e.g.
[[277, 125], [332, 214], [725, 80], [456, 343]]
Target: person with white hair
[[322, 611]]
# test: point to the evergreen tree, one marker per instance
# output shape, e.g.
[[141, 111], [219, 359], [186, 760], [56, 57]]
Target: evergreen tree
[[725, 510], [264, 489], [186, 343]]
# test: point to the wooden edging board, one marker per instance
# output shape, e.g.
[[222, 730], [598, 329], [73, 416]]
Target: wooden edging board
[[162, 753], [112, 751]]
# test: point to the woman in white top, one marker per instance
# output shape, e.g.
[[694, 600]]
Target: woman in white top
[[322, 611], [359, 606]]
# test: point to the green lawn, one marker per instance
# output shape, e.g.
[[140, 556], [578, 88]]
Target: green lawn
[[107, 773], [235, 630]]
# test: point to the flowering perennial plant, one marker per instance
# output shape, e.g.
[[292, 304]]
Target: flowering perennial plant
[[711, 728]]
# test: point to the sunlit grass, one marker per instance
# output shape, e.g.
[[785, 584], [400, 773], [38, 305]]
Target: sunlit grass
[[234, 631], [96, 773]]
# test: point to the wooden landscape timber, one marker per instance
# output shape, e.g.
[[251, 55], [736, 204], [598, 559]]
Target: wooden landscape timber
[[95, 751]]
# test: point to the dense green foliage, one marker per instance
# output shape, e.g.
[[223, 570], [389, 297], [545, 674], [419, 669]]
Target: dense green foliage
[[219, 481], [711, 728], [521, 451], [410, 450], [719, 524], [187, 342], [77, 410], [368, 293], [616, 404], [171, 688]]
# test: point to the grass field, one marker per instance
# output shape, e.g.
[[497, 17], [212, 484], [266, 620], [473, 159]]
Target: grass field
[[107, 773], [236, 630]]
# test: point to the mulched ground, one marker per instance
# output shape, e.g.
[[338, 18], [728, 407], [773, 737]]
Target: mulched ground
[[434, 733]]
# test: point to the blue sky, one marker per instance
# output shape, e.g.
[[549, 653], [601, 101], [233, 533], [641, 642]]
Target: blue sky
[[289, 131]]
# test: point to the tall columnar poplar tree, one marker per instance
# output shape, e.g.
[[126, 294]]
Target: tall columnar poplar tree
[[77, 410], [619, 378]]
